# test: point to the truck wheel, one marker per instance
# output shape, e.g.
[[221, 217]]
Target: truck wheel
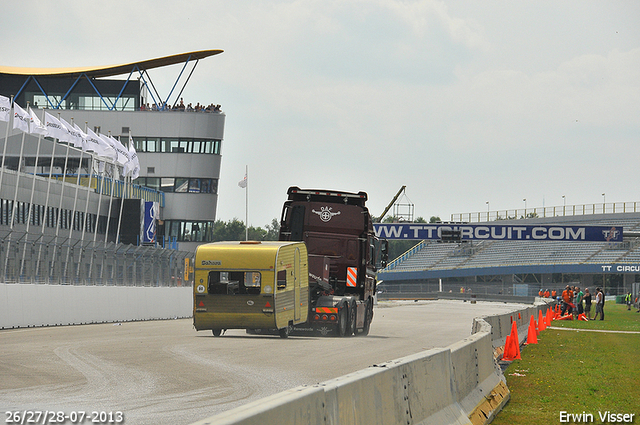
[[368, 316], [216, 332], [343, 324], [353, 313]]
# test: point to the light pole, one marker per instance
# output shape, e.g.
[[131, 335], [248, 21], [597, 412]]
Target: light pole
[[564, 205], [525, 207], [487, 210], [604, 203]]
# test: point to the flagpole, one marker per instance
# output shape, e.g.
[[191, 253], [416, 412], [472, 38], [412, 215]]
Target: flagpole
[[4, 155], [58, 220], [86, 204], [124, 188], [6, 142], [33, 188], [73, 210], [114, 169], [46, 202], [86, 221], [14, 206], [246, 205]]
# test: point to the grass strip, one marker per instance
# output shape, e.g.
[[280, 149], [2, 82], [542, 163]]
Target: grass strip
[[578, 372]]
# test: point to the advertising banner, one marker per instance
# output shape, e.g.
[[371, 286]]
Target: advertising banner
[[151, 214], [493, 232]]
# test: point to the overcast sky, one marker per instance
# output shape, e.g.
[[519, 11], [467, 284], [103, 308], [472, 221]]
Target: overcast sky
[[464, 102]]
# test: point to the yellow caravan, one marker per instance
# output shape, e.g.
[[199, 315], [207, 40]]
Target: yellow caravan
[[250, 285]]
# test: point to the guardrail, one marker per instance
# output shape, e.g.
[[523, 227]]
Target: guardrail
[[564, 210], [459, 384], [455, 296]]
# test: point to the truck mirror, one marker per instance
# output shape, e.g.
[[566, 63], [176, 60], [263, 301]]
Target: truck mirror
[[384, 253]]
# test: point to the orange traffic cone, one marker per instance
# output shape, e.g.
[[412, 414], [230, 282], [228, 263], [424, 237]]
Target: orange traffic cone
[[566, 317], [508, 354], [549, 317], [532, 338], [582, 317], [541, 324], [512, 346]]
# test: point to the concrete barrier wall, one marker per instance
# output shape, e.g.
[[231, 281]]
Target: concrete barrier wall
[[25, 305], [459, 384]]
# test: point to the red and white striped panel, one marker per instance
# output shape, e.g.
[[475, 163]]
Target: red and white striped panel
[[352, 276]]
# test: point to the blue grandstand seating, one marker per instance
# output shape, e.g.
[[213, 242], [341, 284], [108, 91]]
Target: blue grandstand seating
[[432, 255]]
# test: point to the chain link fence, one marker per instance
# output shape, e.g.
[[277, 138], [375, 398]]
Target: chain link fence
[[74, 262]]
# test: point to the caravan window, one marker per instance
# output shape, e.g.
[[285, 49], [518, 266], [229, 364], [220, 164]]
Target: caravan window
[[282, 279], [234, 283]]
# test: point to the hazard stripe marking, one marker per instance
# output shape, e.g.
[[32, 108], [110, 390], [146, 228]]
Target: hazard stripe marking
[[326, 310], [352, 276]]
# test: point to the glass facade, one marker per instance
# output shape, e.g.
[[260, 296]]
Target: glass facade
[[179, 184], [177, 145], [189, 231]]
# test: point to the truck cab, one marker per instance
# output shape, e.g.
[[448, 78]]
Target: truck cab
[[337, 230]]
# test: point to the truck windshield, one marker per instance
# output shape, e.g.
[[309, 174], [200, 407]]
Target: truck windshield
[[234, 283]]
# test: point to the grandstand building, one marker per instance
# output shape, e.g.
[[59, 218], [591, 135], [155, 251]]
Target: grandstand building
[[63, 205], [179, 150], [523, 267]]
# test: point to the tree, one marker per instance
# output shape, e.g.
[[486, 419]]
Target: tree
[[234, 230], [273, 230]]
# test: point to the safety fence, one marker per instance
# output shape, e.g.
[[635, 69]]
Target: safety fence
[[52, 260], [554, 211]]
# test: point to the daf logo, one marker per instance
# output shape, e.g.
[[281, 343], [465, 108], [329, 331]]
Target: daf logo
[[610, 234], [325, 213]]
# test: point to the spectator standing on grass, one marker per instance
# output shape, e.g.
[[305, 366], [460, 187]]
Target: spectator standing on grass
[[587, 303], [628, 300], [602, 308], [579, 297], [567, 296], [599, 304]]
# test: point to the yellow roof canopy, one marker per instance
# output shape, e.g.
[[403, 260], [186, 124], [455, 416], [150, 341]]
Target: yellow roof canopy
[[111, 70]]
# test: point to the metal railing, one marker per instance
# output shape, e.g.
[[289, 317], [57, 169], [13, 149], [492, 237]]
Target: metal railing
[[557, 211], [72, 263]]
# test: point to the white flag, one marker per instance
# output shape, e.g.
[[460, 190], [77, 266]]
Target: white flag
[[54, 127], [21, 118], [112, 153], [123, 153], [83, 137], [96, 144], [134, 163], [73, 135], [243, 183], [36, 125], [5, 108]]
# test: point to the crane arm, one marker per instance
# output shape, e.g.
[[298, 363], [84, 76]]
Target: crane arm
[[395, 198]]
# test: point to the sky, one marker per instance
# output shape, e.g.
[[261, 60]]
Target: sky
[[471, 105]]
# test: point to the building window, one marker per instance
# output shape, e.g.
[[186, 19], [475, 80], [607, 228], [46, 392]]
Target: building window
[[176, 145], [167, 184], [179, 184], [189, 231]]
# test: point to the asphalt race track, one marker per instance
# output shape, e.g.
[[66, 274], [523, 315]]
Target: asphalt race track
[[164, 372]]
